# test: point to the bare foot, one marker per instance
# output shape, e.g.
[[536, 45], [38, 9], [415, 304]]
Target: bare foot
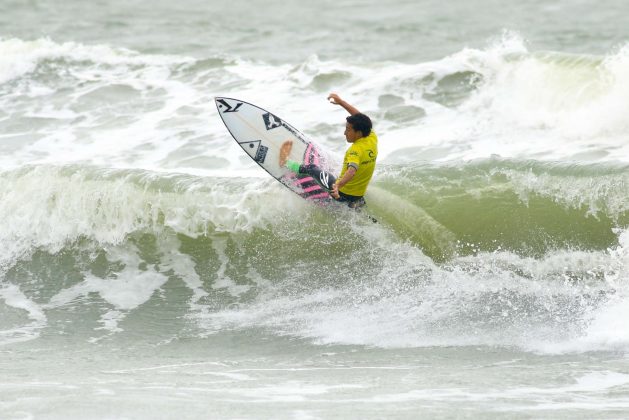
[[285, 149]]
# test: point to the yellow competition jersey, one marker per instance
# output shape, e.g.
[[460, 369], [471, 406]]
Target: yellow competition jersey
[[362, 155]]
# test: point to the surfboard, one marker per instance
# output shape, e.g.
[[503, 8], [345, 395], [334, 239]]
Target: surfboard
[[261, 133]]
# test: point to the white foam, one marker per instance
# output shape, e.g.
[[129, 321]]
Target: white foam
[[106, 207], [126, 290], [182, 266], [19, 57], [15, 298], [589, 392], [223, 281], [495, 299], [126, 109], [606, 329], [576, 102], [606, 195]]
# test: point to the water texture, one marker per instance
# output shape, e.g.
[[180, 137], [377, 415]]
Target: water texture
[[149, 269]]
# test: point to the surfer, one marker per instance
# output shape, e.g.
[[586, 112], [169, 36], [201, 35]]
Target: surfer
[[358, 164]]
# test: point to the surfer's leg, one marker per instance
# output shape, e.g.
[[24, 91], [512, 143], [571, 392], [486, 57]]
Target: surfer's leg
[[357, 204], [323, 178], [353, 201], [284, 161]]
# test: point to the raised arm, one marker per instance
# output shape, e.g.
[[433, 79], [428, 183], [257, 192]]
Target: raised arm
[[336, 100]]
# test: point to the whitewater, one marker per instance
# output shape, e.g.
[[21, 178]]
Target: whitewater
[[150, 269]]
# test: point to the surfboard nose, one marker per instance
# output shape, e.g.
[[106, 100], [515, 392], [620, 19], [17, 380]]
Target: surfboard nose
[[226, 105]]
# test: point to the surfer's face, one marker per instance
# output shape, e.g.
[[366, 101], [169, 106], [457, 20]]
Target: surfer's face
[[351, 135]]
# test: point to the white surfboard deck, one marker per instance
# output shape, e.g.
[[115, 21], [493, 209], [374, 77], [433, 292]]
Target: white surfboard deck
[[261, 134]]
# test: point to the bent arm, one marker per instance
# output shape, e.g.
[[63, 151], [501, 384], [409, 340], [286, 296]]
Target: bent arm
[[349, 174], [336, 99]]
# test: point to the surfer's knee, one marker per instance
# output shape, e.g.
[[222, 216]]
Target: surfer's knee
[[323, 178], [357, 204]]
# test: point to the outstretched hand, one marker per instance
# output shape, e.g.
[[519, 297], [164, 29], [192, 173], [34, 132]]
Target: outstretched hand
[[334, 99]]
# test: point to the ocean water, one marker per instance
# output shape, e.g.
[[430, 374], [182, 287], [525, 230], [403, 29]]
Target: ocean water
[[149, 269]]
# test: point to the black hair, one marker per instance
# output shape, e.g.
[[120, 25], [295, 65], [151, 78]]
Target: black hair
[[360, 122]]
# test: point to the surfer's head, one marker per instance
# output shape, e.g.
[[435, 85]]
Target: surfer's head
[[358, 126]]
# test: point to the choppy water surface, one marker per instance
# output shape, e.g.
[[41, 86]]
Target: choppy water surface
[[148, 269]]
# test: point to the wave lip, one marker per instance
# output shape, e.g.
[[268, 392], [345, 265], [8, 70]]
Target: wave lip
[[107, 206], [526, 207], [530, 208]]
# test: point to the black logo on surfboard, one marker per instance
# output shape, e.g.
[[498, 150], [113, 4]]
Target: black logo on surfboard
[[255, 149], [261, 154], [228, 107], [271, 121]]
